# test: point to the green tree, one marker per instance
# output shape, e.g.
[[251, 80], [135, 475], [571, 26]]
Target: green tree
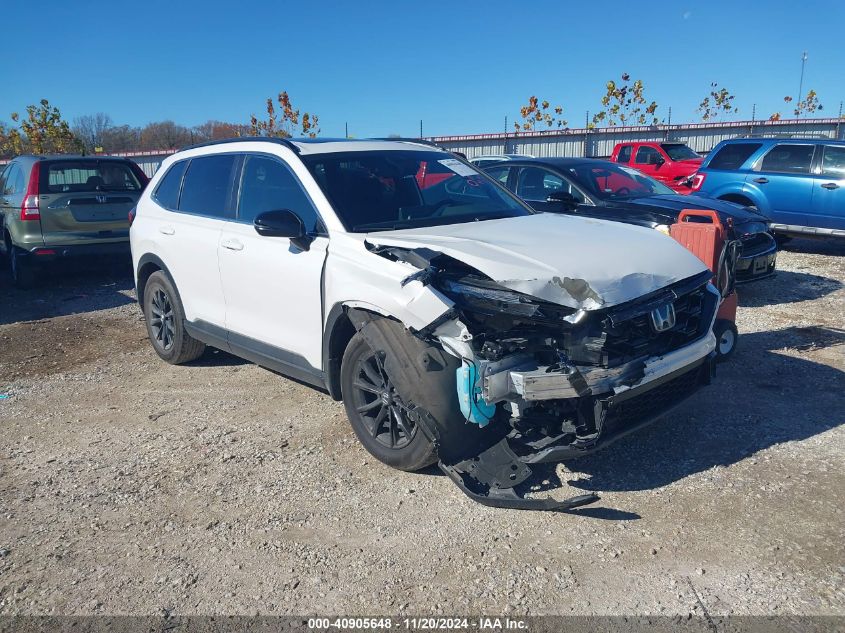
[[625, 104], [537, 112], [718, 102], [43, 131], [807, 105], [287, 123]]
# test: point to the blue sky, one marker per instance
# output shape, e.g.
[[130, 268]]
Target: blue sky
[[460, 66]]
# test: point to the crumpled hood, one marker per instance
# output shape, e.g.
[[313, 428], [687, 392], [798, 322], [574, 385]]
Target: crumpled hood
[[576, 262]]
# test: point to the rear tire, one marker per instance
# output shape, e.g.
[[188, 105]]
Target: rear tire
[[165, 319], [23, 272], [377, 413]]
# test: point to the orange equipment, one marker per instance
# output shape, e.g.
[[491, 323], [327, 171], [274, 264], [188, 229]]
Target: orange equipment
[[701, 232]]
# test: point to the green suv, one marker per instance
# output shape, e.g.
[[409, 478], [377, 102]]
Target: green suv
[[65, 206]]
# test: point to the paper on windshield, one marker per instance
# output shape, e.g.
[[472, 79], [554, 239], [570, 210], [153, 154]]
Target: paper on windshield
[[458, 167]]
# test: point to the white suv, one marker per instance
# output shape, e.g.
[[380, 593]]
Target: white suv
[[456, 324]]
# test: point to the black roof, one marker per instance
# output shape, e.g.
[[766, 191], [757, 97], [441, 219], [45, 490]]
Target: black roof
[[560, 163]]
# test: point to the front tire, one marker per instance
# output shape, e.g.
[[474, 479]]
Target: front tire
[[377, 412], [165, 319]]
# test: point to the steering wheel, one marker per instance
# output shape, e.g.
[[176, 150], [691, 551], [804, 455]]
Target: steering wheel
[[622, 191]]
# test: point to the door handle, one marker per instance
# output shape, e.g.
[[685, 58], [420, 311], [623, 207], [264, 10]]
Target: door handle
[[166, 230], [761, 181], [830, 185], [232, 245]]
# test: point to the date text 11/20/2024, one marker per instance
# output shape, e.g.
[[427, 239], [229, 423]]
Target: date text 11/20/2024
[[415, 624]]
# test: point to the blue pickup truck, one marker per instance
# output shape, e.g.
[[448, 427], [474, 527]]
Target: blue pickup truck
[[798, 183]]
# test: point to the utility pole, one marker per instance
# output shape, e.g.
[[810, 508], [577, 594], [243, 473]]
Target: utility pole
[[346, 127], [801, 83], [505, 144], [421, 128]]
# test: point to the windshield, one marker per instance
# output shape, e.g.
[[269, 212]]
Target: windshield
[[679, 151], [90, 175], [609, 181], [399, 189]]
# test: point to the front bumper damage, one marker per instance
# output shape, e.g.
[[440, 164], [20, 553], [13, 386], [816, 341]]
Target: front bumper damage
[[490, 477], [536, 381]]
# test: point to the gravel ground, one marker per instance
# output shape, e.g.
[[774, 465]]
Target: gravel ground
[[128, 486]]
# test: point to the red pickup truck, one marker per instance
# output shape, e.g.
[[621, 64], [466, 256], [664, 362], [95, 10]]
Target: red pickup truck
[[670, 163]]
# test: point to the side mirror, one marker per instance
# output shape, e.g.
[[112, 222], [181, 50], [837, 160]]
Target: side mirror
[[659, 160], [282, 223], [565, 200]]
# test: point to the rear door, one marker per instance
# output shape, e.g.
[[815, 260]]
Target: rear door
[[783, 177], [196, 200], [86, 200], [828, 203]]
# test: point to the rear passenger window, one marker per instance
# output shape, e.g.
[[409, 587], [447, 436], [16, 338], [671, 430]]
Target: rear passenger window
[[733, 156], [207, 186], [834, 161], [167, 192], [624, 154], [789, 158], [268, 185]]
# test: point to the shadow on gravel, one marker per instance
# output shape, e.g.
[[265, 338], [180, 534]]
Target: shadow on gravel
[[815, 246], [732, 419], [64, 288], [218, 358], [786, 287]]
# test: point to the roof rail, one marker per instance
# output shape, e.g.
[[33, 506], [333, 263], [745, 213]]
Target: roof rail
[[269, 139], [406, 139], [790, 135]]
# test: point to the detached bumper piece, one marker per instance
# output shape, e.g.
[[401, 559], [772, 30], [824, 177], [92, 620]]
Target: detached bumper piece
[[490, 478]]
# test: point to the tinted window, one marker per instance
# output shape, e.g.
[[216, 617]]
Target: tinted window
[[733, 156], [385, 190], [499, 173], [88, 175], [624, 154], [207, 185], [536, 184], [167, 192], [834, 161], [268, 185], [789, 158], [647, 156], [679, 151], [14, 181], [610, 181]]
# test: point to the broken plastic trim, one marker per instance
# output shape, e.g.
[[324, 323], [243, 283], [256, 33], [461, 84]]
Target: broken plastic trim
[[490, 477]]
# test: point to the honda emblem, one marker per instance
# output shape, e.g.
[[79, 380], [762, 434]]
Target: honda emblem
[[663, 318]]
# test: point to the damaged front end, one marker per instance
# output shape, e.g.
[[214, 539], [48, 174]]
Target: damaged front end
[[542, 382]]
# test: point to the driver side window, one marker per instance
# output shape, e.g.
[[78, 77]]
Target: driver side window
[[535, 184], [268, 185], [647, 156]]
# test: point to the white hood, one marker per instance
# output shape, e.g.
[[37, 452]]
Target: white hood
[[572, 261]]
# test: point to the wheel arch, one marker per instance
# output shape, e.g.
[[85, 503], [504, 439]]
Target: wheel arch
[[338, 331], [147, 265]]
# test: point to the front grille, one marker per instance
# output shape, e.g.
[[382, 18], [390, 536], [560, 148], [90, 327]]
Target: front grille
[[652, 402], [635, 337], [755, 244]]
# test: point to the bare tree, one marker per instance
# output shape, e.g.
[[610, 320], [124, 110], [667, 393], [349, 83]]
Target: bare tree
[[91, 128], [164, 135]]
